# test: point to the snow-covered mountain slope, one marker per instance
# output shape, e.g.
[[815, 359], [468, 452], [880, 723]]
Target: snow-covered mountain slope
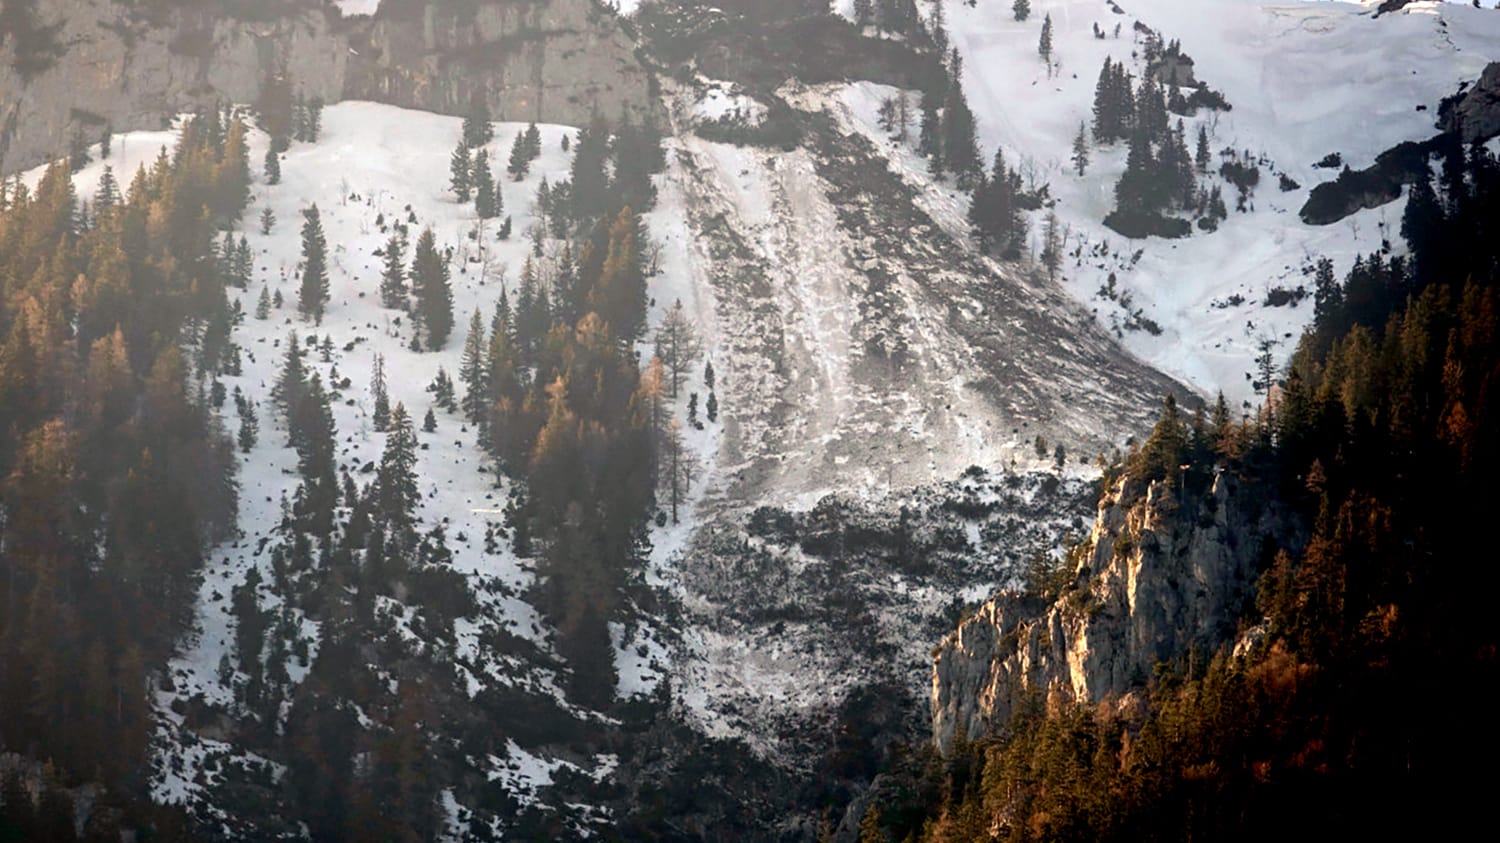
[[374, 167], [867, 349], [867, 355], [854, 361], [1304, 79]]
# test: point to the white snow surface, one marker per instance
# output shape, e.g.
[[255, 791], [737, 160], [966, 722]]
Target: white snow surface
[[1304, 78], [371, 160]]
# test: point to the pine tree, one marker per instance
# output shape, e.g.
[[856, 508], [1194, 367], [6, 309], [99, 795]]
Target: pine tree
[[1081, 150], [484, 186], [1021, 9], [473, 369], [937, 28], [267, 220], [477, 130], [396, 493], [232, 191], [677, 344], [1044, 44], [381, 414], [960, 151], [243, 266], [313, 294], [520, 158], [393, 276], [442, 390], [1423, 223], [263, 304], [713, 406], [249, 427], [107, 195], [429, 422], [458, 173], [1139, 190], [429, 280], [78, 150], [995, 212], [886, 117], [288, 389], [930, 134], [533, 141], [1202, 157], [273, 166]]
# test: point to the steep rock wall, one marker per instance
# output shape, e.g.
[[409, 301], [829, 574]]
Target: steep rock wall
[[1155, 578], [87, 63]]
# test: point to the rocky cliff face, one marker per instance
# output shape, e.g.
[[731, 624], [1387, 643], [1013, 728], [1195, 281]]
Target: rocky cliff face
[[87, 63], [1475, 113], [1154, 579]]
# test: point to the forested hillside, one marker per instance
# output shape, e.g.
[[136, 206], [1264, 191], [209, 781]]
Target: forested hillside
[[115, 474], [1347, 708]]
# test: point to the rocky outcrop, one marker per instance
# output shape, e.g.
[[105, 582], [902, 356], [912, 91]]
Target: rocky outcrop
[[560, 61], [1475, 113], [1156, 578], [1472, 115], [132, 66], [1357, 190]]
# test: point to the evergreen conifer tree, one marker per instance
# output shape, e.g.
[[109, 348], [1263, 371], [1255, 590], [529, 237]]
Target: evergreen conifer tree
[[267, 220], [477, 130], [484, 186], [288, 389], [520, 158], [458, 173], [930, 137], [249, 427], [1021, 9], [381, 413], [1081, 150], [429, 280], [396, 491], [393, 276], [1044, 43], [960, 152], [313, 294], [473, 369], [273, 166]]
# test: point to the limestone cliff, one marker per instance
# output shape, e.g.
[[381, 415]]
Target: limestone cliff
[[1474, 113], [1155, 578], [73, 64]]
